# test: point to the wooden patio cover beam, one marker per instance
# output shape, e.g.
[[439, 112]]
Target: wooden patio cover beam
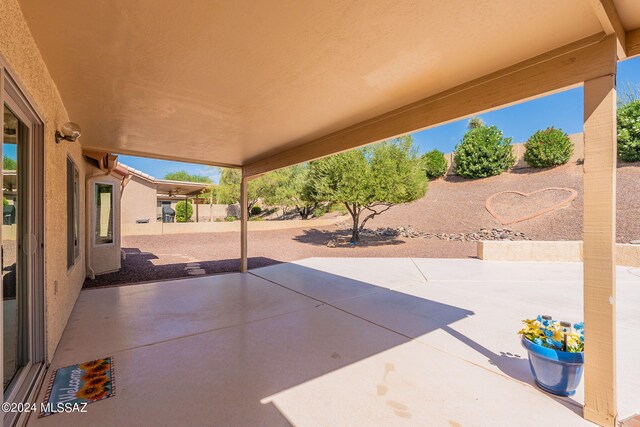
[[633, 42], [561, 68], [611, 24]]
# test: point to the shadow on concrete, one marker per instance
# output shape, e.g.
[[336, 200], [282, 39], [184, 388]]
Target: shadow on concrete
[[138, 267], [407, 315], [316, 237]]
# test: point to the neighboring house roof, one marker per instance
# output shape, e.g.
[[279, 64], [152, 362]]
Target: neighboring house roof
[[168, 186], [9, 180]]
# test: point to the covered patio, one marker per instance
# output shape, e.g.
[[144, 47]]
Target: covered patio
[[392, 341], [263, 85]]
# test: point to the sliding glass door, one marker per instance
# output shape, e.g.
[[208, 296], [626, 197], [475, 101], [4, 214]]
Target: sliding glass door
[[21, 255]]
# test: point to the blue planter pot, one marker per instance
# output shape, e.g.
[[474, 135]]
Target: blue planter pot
[[557, 372]]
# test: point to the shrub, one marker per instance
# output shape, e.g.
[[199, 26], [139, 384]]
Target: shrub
[[230, 218], [320, 210], [256, 210], [629, 132], [549, 147], [183, 215], [483, 152], [435, 165], [475, 122], [338, 207]]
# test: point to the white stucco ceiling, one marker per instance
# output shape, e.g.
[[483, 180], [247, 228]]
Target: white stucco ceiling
[[229, 82]]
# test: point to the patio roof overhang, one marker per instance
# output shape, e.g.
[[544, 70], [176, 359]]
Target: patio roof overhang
[[179, 188], [235, 83], [263, 85]]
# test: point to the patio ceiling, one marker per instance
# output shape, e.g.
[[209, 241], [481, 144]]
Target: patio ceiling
[[231, 83]]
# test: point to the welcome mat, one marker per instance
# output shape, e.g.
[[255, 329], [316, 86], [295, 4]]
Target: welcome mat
[[71, 388]]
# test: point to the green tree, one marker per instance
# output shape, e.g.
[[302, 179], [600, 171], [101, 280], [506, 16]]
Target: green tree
[[483, 152], [289, 188], [435, 164], [369, 181], [183, 214], [229, 188], [629, 131], [187, 177], [475, 122], [9, 164]]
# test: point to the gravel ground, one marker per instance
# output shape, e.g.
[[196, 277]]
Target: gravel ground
[[452, 205]]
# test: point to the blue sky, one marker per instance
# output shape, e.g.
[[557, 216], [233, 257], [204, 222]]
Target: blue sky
[[562, 110]]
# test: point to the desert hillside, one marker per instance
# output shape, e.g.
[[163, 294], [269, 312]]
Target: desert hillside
[[457, 205]]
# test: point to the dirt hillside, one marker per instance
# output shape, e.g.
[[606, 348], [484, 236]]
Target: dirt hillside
[[457, 205]]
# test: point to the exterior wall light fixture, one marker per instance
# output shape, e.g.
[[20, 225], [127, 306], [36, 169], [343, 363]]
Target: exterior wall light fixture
[[69, 132]]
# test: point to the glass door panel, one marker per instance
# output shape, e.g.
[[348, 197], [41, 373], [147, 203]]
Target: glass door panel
[[14, 290]]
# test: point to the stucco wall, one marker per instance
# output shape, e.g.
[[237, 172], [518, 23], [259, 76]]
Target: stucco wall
[[139, 201], [19, 50], [157, 228], [550, 251]]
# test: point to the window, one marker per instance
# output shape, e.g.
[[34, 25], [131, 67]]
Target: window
[[104, 214], [73, 213]]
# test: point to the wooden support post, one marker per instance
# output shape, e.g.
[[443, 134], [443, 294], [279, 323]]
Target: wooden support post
[[600, 140], [244, 217]]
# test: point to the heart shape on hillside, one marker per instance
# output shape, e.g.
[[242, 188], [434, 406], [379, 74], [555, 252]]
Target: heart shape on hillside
[[510, 207]]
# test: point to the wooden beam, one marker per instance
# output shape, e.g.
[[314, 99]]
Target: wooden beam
[[633, 42], [553, 71], [128, 152], [611, 24], [599, 249], [244, 217]]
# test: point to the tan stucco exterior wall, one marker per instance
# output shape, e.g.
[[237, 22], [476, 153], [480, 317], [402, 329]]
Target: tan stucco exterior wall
[[550, 251], [19, 50], [139, 201]]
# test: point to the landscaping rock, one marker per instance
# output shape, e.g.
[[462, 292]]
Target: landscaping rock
[[411, 233]]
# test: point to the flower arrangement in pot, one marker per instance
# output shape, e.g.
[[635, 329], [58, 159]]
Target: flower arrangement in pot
[[556, 353]]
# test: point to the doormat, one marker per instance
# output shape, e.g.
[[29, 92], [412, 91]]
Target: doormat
[[71, 388]]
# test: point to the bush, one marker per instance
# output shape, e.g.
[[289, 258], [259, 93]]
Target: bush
[[338, 207], [483, 152], [231, 218], [181, 214], [320, 210], [256, 210], [629, 132], [435, 165], [549, 147]]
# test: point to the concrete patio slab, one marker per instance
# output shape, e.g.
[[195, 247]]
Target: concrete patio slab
[[131, 316], [414, 385], [335, 279], [241, 350]]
